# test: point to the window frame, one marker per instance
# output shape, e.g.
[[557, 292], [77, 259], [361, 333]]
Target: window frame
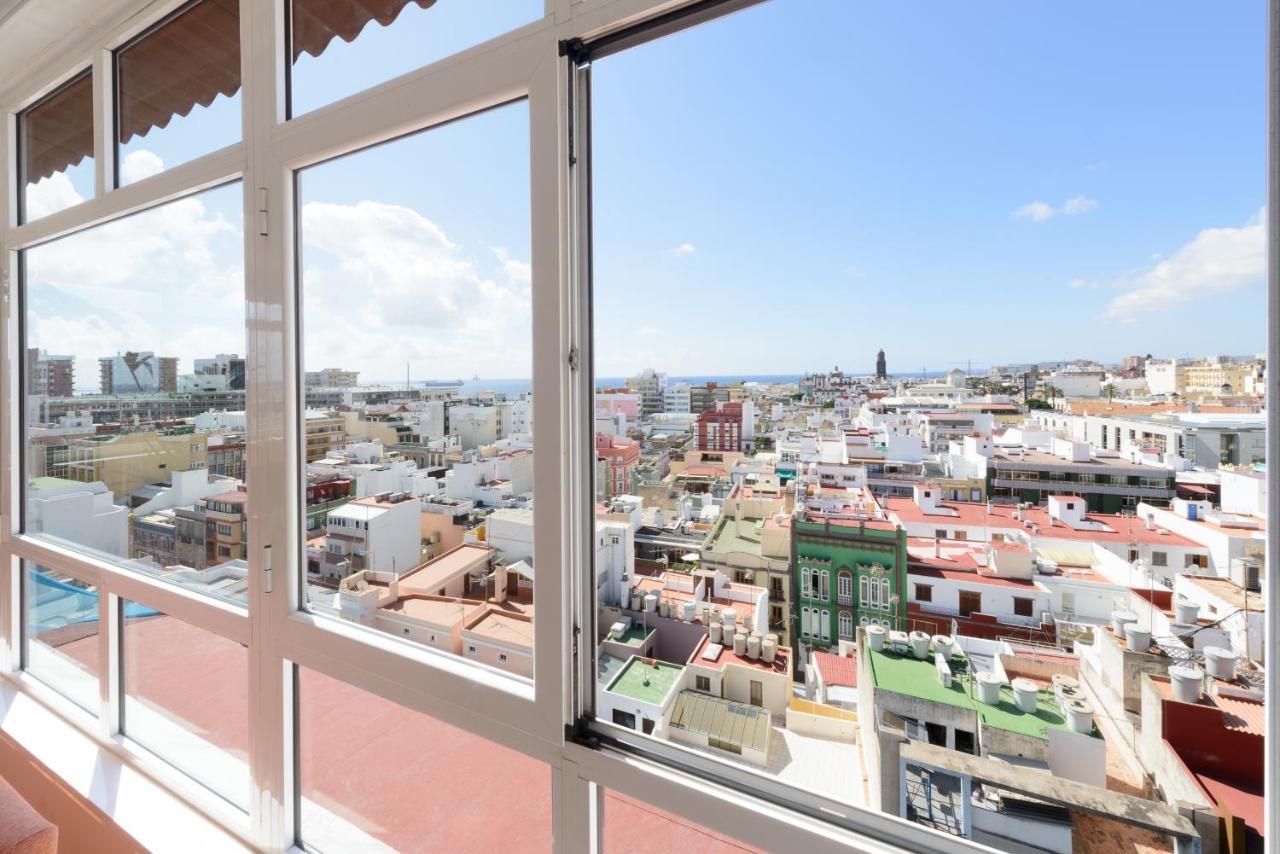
[[525, 62]]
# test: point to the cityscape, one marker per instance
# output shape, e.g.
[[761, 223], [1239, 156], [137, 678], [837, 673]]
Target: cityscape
[[1018, 604]]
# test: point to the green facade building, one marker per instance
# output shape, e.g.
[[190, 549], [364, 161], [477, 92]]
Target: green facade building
[[845, 574]]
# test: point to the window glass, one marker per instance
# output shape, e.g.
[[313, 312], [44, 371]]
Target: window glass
[[60, 634], [419, 423], [55, 144], [134, 406], [340, 47], [783, 258], [634, 827], [186, 698], [178, 90], [358, 753]]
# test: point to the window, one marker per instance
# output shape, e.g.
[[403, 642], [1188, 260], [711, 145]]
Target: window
[[826, 626], [884, 593], [178, 90], [199, 725], [702, 683], [437, 247], [970, 602], [846, 625], [864, 598], [1159, 558], [342, 46], [61, 634], [127, 332], [845, 584], [55, 138], [924, 593], [825, 588], [1022, 606]]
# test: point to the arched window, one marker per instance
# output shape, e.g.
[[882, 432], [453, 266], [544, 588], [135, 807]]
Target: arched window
[[846, 625], [844, 587]]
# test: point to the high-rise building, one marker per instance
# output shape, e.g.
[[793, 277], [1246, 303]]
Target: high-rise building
[[52, 376], [333, 378], [882, 370], [137, 373], [651, 386], [229, 365]]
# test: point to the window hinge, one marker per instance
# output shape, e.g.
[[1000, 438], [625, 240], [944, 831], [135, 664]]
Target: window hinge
[[573, 358], [266, 569], [262, 211]]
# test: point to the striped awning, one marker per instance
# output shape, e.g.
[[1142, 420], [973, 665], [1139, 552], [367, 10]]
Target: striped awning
[[187, 60]]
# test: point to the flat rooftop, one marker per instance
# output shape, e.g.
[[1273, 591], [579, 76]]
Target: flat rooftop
[[1228, 591], [436, 573], [645, 679], [904, 674], [509, 629]]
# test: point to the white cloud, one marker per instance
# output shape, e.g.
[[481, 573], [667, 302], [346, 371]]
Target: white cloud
[[383, 285], [1082, 284], [1035, 211], [49, 195], [1078, 205], [1216, 261], [140, 164], [683, 249], [1039, 211]]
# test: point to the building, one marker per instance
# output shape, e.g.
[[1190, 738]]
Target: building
[[652, 387], [138, 373], [882, 370], [51, 376], [126, 462], [229, 366], [1107, 481], [620, 457], [332, 378], [677, 398], [325, 433], [381, 533], [81, 513], [727, 427]]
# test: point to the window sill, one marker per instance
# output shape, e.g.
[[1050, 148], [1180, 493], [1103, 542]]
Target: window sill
[[110, 775]]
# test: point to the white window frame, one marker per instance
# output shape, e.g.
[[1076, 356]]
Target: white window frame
[[278, 633]]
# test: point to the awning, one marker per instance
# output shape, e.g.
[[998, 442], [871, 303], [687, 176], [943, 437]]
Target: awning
[[190, 59]]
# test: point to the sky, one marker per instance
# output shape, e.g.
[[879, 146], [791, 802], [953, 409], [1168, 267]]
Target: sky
[[990, 183]]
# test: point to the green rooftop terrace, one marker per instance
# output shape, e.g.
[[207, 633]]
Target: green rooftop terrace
[[645, 682], [904, 674], [634, 636]]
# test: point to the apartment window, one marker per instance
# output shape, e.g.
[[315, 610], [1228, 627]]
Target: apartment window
[[61, 634], [1159, 558], [199, 725], [940, 534], [703, 683], [437, 247], [178, 90], [170, 261], [924, 593], [1022, 606], [825, 593], [864, 594], [884, 593], [55, 139], [846, 625], [844, 583], [970, 602], [355, 750], [826, 625]]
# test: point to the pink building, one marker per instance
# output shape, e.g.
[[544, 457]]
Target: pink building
[[622, 455]]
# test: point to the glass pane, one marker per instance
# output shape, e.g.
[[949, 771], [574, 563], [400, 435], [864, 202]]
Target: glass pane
[[187, 699], [60, 634], [135, 428], [634, 827], [178, 90], [419, 473], [903, 583], [55, 138], [358, 755], [343, 46]]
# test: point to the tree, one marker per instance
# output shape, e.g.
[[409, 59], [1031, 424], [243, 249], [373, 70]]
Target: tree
[[1052, 392], [1110, 391]]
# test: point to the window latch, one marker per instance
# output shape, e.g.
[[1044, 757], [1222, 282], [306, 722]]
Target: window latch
[[573, 358], [266, 569], [262, 211]]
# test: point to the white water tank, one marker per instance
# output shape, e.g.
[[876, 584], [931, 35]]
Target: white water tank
[[635, 601], [1121, 618], [920, 645], [729, 616], [686, 612], [875, 638], [1079, 714], [753, 645], [769, 649], [664, 610], [1220, 662], [989, 688], [714, 632], [943, 644], [651, 603], [1026, 694], [898, 641], [1138, 637], [740, 644], [1186, 681], [1188, 612]]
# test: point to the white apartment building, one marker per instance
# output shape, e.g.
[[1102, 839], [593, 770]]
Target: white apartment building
[[382, 533], [491, 480], [1077, 383], [652, 387], [676, 398], [473, 425], [84, 513]]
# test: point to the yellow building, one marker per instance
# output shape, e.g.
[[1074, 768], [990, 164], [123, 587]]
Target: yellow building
[[130, 461]]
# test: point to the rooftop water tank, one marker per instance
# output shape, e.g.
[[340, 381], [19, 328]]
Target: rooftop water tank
[[1138, 637], [1120, 618], [686, 612], [1186, 681], [729, 616], [651, 603], [740, 644], [1079, 714], [989, 687], [920, 645], [753, 646], [1026, 694], [898, 641], [635, 601], [944, 645], [1188, 612], [875, 638], [769, 648], [1220, 662], [715, 632]]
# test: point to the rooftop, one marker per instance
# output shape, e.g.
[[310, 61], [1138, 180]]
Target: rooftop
[[904, 674], [706, 655], [503, 627], [436, 573], [646, 679], [724, 721]]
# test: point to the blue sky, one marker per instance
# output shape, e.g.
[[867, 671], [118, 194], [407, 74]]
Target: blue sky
[[987, 182]]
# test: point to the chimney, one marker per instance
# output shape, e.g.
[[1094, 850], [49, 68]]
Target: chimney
[[926, 496]]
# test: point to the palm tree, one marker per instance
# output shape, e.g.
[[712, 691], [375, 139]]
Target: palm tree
[[1052, 391], [1110, 391]]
